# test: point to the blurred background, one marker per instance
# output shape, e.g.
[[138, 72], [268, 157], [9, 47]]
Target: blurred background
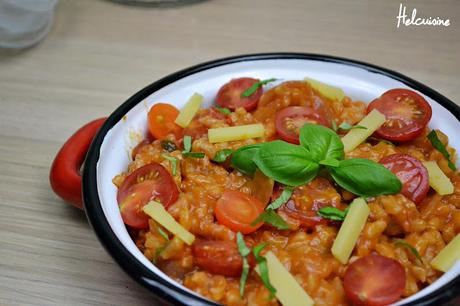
[[98, 53]]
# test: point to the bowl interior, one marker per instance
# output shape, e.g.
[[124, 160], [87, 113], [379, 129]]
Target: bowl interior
[[358, 83]]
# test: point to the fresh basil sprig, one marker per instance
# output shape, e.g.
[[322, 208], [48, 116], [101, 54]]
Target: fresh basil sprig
[[222, 155], [271, 217], [263, 268], [438, 145], [253, 88], [295, 165], [244, 252], [332, 213]]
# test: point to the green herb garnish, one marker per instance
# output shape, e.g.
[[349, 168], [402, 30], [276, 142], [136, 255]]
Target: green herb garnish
[[244, 252], [263, 269], [254, 87], [414, 251], [346, 127], [320, 147], [222, 155], [223, 110], [188, 148], [168, 145], [438, 145], [283, 198], [271, 217], [332, 213], [163, 234], [173, 162]]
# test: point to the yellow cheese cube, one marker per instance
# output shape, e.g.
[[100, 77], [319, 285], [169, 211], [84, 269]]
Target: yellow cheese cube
[[233, 133], [438, 180], [189, 111]]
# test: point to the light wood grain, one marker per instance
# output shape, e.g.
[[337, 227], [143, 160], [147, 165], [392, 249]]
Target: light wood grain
[[99, 53]]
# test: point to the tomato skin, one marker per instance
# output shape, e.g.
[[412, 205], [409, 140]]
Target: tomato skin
[[289, 120], [374, 280], [412, 174], [149, 182], [229, 95], [161, 119], [237, 210], [218, 257], [407, 114], [307, 219]]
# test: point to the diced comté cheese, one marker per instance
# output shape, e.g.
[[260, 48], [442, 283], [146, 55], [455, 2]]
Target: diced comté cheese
[[328, 91], [233, 133], [158, 213], [288, 290], [372, 122], [448, 255], [349, 231], [438, 180], [189, 111]]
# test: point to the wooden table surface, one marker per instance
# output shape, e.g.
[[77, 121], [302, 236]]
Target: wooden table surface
[[99, 53]]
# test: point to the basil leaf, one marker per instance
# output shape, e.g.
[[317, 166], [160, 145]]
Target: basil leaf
[[163, 234], [332, 213], [224, 110], [242, 159], [194, 154], [187, 144], [222, 155], [253, 88], [244, 252], [173, 162], [365, 177], [168, 145], [322, 142], [271, 217], [283, 198], [286, 163], [263, 269], [346, 127], [438, 145], [331, 162], [403, 243]]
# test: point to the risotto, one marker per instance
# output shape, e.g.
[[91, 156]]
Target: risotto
[[343, 194]]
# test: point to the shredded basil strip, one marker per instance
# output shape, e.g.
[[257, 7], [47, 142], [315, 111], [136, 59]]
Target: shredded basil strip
[[224, 110], [163, 234], [332, 213], [244, 252], [345, 126], [222, 155], [158, 251], [263, 269], [194, 154], [283, 198], [271, 217], [251, 90], [403, 243], [168, 145], [438, 145], [173, 162], [187, 144]]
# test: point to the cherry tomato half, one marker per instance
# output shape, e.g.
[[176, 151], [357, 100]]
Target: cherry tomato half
[[217, 257], [161, 119], [407, 114], [412, 174], [237, 210], [150, 182], [229, 95], [290, 119], [139, 147], [374, 280]]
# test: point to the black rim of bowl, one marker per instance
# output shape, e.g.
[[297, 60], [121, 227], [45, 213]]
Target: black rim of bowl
[[164, 290]]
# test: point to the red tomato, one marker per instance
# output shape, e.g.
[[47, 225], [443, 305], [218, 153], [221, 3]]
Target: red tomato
[[139, 147], [307, 219], [374, 280], [290, 119], [217, 257], [150, 182], [412, 174], [229, 95], [161, 119], [407, 114], [237, 210]]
